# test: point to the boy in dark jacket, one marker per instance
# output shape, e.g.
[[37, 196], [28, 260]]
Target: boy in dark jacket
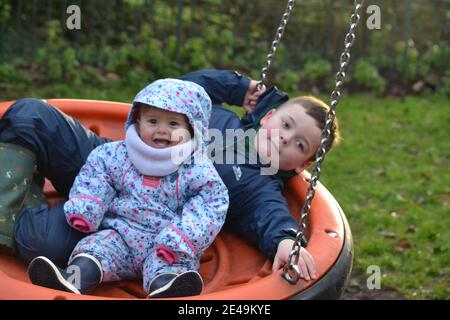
[[258, 211]]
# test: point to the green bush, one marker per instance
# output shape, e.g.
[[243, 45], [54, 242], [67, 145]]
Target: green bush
[[139, 77], [5, 11], [12, 73], [195, 54], [435, 59], [406, 60], [70, 65], [367, 76], [48, 58], [288, 80], [444, 87], [316, 70], [119, 39]]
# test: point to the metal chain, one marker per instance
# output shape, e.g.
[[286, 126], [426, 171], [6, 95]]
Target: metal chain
[[291, 270], [275, 43]]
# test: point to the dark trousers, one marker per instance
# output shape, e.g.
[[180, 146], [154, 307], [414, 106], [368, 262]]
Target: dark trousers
[[61, 145]]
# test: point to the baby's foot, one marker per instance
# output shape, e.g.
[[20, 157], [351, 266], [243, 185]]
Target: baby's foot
[[171, 285]]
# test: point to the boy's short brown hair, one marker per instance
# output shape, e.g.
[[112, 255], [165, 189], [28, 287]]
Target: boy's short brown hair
[[318, 110]]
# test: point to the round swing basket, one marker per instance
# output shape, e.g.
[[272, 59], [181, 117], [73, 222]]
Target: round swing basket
[[231, 268]]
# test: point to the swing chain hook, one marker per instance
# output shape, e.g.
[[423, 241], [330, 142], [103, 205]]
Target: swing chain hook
[[291, 271], [279, 33]]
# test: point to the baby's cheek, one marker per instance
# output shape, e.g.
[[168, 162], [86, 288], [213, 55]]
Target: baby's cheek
[[146, 134], [181, 135]]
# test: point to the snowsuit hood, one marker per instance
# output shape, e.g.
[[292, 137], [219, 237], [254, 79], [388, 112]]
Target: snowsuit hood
[[179, 96]]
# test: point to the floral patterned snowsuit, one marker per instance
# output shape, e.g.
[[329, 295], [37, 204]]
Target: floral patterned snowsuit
[[146, 225]]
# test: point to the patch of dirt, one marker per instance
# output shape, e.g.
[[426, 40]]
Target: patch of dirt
[[357, 290]]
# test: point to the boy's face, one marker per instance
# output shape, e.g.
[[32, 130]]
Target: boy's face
[[159, 128], [291, 132]]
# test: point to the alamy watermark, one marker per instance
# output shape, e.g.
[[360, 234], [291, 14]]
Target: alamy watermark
[[74, 277], [73, 21], [373, 22], [374, 280]]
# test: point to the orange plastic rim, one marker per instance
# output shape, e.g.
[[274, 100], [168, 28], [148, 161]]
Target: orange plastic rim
[[231, 268]]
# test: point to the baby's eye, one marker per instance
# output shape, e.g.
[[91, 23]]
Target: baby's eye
[[152, 121], [286, 125], [174, 124], [300, 145]]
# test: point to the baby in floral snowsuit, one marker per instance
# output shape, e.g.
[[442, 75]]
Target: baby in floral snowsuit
[[150, 204]]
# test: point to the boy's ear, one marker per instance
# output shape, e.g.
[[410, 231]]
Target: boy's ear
[[267, 116], [305, 166]]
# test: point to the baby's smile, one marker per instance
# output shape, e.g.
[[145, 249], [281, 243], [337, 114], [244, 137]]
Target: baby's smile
[[162, 143]]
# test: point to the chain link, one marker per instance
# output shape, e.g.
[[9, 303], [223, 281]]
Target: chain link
[[291, 271], [275, 43]]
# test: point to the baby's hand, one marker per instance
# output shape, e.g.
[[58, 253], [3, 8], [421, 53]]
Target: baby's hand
[[305, 261], [252, 96]]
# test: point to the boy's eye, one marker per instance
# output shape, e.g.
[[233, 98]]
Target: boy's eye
[[174, 123], [152, 121]]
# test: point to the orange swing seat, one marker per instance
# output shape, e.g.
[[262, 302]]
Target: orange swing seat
[[231, 268]]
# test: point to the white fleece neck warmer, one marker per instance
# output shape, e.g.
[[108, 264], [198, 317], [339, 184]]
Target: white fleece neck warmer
[[154, 161]]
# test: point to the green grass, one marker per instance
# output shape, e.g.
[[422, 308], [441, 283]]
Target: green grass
[[391, 176]]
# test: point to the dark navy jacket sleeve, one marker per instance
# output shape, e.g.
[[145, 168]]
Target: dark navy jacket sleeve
[[221, 85], [258, 211]]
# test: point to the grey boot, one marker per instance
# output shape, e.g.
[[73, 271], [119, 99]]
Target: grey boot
[[171, 285], [17, 167], [82, 275]]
